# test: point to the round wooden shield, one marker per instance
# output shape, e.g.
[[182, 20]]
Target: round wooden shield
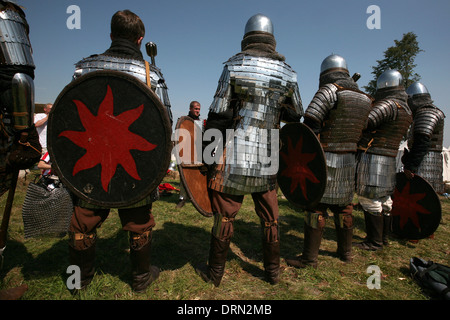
[[193, 173], [416, 209], [109, 138], [302, 174]]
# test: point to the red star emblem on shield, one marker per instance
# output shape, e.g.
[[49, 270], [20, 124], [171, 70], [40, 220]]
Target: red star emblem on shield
[[107, 139], [297, 166], [407, 207]]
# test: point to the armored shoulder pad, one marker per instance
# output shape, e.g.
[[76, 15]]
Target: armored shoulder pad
[[382, 111], [427, 119], [322, 102]]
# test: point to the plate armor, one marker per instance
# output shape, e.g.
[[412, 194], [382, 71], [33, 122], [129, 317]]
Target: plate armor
[[261, 86]]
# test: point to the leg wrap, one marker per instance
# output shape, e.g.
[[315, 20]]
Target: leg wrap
[[223, 227], [315, 220], [82, 241], [270, 231], [137, 241]]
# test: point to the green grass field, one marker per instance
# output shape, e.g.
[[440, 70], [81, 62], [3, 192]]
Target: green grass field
[[181, 241]]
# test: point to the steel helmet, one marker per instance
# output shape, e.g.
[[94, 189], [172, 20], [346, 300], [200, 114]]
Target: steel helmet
[[259, 22], [389, 78], [333, 61], [416, 88]]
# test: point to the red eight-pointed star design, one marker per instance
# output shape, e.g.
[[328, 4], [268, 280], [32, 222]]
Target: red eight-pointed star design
[[297, 166], [406, 206], [107, 139]]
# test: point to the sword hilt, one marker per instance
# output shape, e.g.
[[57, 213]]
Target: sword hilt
[[356, 76], [152, 50]]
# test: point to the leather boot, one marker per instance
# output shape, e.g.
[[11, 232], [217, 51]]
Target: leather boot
[[271, 253], [344, 232], [387, 227], [215, 269], [82, 254], [143, 273], [374, 230], [313, 238]]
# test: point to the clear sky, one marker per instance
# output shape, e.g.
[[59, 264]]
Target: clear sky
[[194, 38]]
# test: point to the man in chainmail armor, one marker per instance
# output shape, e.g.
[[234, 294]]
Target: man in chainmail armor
[[127, 32], [257, 89], [424, 156], [388, 125], [337, 114]]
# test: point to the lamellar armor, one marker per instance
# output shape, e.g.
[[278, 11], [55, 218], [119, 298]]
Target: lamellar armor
[[147, 73], [14, 42], [260, 86], [429, 122], [342, 113], [388, 123], [334, 106]]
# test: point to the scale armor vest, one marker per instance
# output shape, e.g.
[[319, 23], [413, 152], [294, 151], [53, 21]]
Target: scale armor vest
[[391, 121], [343, 113], [14, 42], [133, 67], [429, 121], [261, 85]]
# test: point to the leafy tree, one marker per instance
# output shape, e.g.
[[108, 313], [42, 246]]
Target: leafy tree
[[399, 57]]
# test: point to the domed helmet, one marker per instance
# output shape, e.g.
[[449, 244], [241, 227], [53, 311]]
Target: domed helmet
[[416, 88], [333, 61], [259, 22], [389, 78]]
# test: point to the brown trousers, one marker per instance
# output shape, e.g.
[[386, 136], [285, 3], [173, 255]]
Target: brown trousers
[[226, 207], [137, 220], [343, 215]]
